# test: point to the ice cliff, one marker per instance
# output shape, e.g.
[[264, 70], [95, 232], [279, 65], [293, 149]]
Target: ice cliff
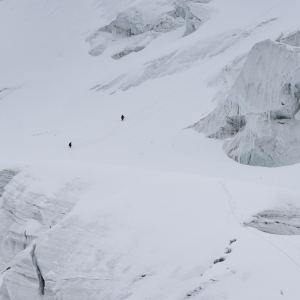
[[134, 30], [258, 120], [27, 211]]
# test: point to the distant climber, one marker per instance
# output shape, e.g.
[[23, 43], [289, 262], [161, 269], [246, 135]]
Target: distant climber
[[70, 145], [122, 118]]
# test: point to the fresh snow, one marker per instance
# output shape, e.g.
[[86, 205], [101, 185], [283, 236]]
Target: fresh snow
[[146, 208]]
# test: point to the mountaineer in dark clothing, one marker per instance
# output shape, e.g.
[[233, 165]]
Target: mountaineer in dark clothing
[[70, 145], [122, 118]]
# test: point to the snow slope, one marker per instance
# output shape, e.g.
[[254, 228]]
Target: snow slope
[[145, 208]]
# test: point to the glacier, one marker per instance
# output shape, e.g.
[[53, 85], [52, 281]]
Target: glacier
[[143, 208], [135, 23], [258, 120]]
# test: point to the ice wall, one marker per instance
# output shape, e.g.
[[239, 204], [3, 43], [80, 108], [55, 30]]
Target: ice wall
[[257, 119], [139, 31], [26, 213], [29, 208], [292, 39]]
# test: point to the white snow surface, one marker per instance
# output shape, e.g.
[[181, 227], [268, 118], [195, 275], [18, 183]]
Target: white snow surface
[[259, 116], [139, 209]]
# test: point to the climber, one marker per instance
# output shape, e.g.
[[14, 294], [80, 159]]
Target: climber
[[70, 145], [122, 118]]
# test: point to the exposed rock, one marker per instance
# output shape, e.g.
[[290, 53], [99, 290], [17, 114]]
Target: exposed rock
[[218, 260], [126, 52], [257, 119]]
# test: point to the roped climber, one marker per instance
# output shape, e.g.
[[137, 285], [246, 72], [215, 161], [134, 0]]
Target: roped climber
[[122, 118], [70, 145]]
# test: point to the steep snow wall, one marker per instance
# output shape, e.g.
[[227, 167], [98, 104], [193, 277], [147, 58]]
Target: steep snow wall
[[257, 119], [136, 31], [46, 252], [5, 177], [28, 211], [292, 39]]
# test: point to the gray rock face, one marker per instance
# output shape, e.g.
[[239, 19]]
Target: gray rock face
[[259, 117], [126, 52]]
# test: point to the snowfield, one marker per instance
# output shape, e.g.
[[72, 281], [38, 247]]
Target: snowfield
[[149, 208]]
